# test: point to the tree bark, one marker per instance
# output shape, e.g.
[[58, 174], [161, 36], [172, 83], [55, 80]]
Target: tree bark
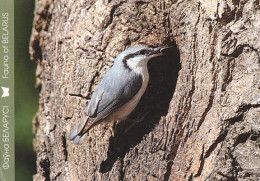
[[202, 102]]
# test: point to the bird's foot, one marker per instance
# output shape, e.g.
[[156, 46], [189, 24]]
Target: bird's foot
[[135, 121]]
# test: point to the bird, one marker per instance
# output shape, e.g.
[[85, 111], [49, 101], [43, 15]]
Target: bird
[[120, 90]]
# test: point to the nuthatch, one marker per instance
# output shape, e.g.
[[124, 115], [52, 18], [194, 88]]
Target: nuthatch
[[120, 90]]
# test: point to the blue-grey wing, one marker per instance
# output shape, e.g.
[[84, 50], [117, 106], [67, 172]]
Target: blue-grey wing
[[115, 90]]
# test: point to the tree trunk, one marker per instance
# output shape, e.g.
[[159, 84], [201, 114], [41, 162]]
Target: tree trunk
[[202, 102]]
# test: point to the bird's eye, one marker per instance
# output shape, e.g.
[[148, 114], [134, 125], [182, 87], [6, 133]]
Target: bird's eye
[[143, 52]]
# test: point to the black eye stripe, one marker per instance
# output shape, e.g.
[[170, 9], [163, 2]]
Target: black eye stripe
[[140, 52], [130, 56], [144, 52]]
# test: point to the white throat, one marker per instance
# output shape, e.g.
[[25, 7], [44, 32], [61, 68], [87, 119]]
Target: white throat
[[138, 66]]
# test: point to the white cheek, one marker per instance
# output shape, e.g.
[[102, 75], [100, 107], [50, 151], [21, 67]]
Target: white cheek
[[137, 62], [132, 63]]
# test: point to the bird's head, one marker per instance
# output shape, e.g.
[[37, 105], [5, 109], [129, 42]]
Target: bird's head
[[138, 56]]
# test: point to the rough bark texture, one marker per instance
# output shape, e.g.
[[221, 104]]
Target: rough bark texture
[[203, 100]]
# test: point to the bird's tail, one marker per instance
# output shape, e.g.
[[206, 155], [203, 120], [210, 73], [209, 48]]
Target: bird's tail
[[78, 133]]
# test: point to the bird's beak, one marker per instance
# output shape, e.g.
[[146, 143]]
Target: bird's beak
[[160, 51]]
